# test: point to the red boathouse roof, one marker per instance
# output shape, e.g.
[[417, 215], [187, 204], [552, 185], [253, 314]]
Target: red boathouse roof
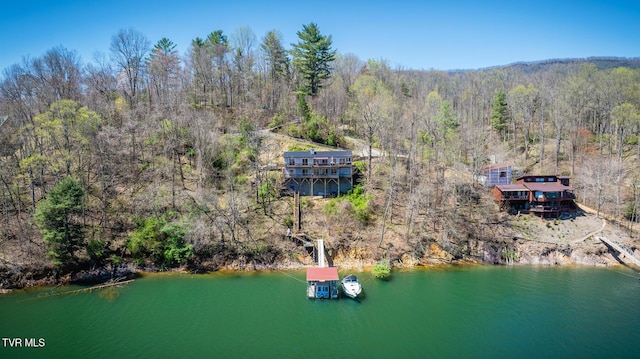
[[322, 274]]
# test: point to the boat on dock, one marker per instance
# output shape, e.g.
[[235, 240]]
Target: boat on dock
[[351, 287]]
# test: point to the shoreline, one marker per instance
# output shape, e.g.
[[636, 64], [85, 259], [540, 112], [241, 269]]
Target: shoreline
[[234, 269], [532, 243]]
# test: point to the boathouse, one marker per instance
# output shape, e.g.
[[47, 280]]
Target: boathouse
[[322, 282]]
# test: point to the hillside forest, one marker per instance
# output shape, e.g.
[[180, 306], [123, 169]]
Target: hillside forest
[[147, 158]]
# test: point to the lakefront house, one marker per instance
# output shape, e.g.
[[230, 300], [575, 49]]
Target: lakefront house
[[546, 196], [318, 173]]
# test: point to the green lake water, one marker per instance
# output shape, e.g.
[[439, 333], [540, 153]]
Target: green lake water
[[468, 312]]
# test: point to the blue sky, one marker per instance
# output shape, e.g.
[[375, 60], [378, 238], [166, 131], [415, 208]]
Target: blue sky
[[441, 35]]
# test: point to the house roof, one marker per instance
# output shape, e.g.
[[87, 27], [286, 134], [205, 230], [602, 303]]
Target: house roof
[[316, 154], [547, 186], [511, 187], [322, 274]]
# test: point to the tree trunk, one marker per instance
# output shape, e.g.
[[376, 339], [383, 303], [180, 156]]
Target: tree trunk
[[558, 143], [542, 140]]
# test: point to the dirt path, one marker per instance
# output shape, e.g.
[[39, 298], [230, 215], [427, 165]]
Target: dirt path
[[579, 240]]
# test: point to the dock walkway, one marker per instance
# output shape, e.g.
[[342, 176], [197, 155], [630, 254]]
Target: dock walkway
[[621, 249]]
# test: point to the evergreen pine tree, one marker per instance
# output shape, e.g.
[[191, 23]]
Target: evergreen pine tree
[[312, 57], [499, 116], [57, 216]]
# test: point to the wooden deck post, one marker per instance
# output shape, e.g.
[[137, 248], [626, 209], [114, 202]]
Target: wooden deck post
[[297, 216]]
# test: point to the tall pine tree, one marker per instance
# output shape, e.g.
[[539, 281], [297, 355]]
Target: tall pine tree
[[499, 116], [312, 57], [58, 217]]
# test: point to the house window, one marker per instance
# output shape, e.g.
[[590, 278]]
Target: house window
[[305, 161], [503, 174], [334, 171], [539, 179], [292, 161], [342, 161]]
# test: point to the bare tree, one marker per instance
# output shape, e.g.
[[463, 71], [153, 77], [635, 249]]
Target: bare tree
[[217, 45], [598, 178], [59, 74], [163, 67], [201, 66], [372, 107], [278, 66], [524, 103], [101, 89], [243, 42], [128, 50]]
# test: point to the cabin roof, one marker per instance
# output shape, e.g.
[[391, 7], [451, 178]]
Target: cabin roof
[[511, 187], [316, 154], [548, 186], [322, 274]]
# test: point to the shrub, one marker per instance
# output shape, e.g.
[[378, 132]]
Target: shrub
[[382, 269], [359, 205], [288, 221], [161, 242], [276, 121], [299, 148], [317, 128], [241, 179], [631, 212]]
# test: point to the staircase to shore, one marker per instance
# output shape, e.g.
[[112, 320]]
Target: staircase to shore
[[626, 252]]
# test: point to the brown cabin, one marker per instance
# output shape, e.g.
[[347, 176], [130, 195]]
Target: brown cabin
[[546, 196]]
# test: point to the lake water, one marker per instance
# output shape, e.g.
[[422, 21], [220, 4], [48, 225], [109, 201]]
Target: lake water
[[467, 312]]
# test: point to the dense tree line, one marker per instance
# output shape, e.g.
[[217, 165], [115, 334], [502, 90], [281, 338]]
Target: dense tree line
[[160, 149]]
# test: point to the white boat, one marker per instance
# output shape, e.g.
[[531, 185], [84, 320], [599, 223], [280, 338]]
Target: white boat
[[350, 286]]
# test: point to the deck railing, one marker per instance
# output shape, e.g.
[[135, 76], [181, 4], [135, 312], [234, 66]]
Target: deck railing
[[308, 165], [288, 174], [515, 198]]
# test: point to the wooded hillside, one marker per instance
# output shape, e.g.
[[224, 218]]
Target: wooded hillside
[[154, 158]]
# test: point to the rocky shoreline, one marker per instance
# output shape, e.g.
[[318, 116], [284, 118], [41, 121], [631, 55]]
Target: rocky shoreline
[[557, 257], [534, 242]]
